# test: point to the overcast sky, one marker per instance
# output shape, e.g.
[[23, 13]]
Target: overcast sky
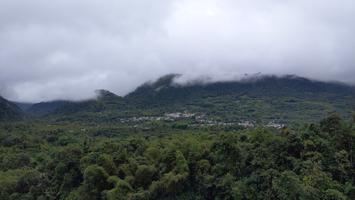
[[65, 49]]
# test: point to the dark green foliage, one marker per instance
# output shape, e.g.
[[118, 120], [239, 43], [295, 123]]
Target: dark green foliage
[[95, 182], [45, 108], [9, 111], [285, 99], [61, 161]]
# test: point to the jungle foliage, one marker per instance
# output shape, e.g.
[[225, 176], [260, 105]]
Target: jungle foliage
[[39, 160]]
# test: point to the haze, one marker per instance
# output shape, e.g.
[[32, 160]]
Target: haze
[[63, 49]]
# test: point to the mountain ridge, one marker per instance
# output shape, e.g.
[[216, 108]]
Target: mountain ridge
[[285, 98]]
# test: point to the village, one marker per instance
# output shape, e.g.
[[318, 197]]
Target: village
[[198, 119]]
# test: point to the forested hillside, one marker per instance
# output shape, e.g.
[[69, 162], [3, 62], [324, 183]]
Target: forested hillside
[[286, 99], [264, 99], [9, 111]]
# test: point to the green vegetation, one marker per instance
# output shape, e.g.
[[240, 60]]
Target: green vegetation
[[42, 160], [9, 111], [287, 100], [290, 99], [253, 139]]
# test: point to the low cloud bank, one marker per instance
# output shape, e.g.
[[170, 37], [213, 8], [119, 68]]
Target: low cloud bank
[[62, 49]]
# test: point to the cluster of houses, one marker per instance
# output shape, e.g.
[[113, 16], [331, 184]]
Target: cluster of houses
[[170, 117], [200, 119], [275, 125]]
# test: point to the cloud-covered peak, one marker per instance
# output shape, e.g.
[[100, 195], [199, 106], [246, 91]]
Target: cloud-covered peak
[[63, 49]]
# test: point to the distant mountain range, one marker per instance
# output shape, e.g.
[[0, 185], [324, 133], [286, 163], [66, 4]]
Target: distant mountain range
[[264, 98]]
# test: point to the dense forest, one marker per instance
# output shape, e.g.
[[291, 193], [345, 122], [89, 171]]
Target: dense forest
[[89, 161]]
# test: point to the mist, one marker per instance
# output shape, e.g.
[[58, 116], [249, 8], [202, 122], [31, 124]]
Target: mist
[[62, 49]]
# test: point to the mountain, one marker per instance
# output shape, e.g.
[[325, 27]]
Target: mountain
[[105, 101], [286, 99], [9, 111], [23, 106], [166, 89], [45, 108]]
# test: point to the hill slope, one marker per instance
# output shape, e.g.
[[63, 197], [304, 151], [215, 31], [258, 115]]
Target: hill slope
[[44, 108], [9, 111], [267, 98], [105, 102]]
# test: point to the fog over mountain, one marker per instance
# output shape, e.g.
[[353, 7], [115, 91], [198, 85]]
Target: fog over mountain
[[62, 49]]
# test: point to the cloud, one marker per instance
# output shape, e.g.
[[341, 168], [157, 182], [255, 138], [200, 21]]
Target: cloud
[[64, 49]]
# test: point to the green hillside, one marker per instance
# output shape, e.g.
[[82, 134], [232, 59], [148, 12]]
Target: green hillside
[[285, 99], [9, 111], [265, 99]]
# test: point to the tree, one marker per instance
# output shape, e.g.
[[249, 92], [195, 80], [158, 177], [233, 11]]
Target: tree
[[144, 175], [120, 191], [95, 182], [106, 161], [288, 186], [332, 194], [331, 124]]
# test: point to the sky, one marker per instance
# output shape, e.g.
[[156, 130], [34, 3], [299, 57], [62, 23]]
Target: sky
[[65, 49]]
